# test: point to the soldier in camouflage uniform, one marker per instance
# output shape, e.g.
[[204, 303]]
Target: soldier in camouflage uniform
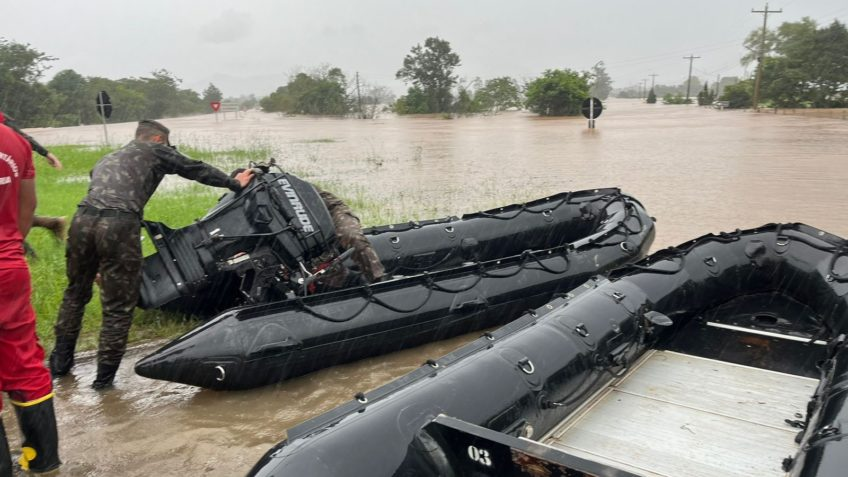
[[104, 237], [349, 233]]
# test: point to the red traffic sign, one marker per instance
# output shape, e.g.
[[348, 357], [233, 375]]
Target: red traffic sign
[[216, 105]]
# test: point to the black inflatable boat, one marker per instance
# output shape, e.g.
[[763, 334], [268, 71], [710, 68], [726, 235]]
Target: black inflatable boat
[[724, 356], [268, 242], [261, 344]]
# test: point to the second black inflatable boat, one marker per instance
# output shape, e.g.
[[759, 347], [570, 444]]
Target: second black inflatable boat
[[256, 345], [724, 356]]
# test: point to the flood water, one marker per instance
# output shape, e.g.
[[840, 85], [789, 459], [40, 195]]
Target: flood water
[[697, 170]]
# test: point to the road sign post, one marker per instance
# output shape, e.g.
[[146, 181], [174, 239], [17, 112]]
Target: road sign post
[[104, 109], [591, 109], [216, 105]]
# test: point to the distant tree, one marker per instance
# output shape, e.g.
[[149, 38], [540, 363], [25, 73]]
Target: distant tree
[[498, 94], [652, 97], [322, 92], [557, 93], [21, 95], [465, 102], [705, 96], [72, 90], [430, 70], [414, 102], [676, 98], [738, 95], [212, 93], [601, 84], [374, 99]]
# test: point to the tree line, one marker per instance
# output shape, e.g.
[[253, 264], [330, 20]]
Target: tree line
[[804, 65], [68, 99], [429, 71]]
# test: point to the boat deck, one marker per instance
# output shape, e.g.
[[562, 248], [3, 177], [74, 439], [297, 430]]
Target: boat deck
[[677, 415]]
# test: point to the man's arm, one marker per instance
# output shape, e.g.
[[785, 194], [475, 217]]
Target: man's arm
[[36, 146], [177, 163], [26, 205]]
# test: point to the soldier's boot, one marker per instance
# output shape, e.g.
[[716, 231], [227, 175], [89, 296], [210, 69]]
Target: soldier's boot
[[62, 356], [105, 375], [56, 225], [41, 438], [5, 456]]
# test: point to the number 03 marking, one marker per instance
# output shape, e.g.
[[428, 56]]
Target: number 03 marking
[[480, 456]]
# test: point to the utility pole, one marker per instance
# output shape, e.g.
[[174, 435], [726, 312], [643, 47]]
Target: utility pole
[[358, 96], [653, 78], [689, 83], [645, 87], [718, 82], [762, 53]]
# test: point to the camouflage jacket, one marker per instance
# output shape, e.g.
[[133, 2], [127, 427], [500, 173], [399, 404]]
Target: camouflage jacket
[[126, 178]]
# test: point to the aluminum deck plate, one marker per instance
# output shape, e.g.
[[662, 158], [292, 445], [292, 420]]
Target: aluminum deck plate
[[676, 415]]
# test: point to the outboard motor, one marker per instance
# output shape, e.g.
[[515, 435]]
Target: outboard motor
[[262, 243]]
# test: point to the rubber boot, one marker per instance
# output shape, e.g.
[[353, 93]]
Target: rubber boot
[[5, 457], [56, 225], [41, 438], [105, 375], [62, 356]]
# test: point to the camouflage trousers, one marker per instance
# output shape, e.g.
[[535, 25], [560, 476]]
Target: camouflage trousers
[[349, 234], [112, 247]]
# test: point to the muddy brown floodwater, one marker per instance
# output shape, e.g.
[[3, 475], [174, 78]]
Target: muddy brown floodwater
[[697, 170]]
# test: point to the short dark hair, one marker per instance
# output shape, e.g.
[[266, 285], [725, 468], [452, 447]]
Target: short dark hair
[[147, 129]]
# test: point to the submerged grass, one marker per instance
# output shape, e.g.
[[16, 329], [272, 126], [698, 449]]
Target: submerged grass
[[177, 203]]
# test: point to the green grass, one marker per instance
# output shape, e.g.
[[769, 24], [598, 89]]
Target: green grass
[[59, 192]]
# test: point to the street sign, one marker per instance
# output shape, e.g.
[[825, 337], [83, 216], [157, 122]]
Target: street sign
[[104, 110], [216, 105], [104, 104], [592, 108]]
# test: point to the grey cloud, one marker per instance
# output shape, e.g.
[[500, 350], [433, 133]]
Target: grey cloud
[[229, 27]]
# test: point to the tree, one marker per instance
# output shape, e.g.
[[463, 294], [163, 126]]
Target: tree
[[72, 89], [601, 81], [323, 91], [414, 102], [212, 93], [738, 95], [498, 94], [557, 93], [705, 96], [430, 70], [21, 95], [652, 97]]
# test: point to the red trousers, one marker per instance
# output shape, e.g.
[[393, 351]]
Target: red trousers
[[22, 372]]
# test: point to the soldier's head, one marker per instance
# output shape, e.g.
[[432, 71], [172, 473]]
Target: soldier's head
[[152, 131]]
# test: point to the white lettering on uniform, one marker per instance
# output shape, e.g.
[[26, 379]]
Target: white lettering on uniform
[[297, 205], [8, 160]]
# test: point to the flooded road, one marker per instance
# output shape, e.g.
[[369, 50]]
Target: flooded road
[[696, 170]]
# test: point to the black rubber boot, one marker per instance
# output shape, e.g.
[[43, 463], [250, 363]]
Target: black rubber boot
[[41, 438], [105, 375], [5, 457], [62, 357]]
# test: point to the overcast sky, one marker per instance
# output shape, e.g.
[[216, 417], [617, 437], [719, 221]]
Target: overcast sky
[[253, 46]]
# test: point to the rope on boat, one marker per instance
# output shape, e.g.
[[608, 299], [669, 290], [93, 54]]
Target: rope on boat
[[527, 259]]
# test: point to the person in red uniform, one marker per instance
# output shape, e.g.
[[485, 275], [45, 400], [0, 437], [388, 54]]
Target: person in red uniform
[[23, 375]]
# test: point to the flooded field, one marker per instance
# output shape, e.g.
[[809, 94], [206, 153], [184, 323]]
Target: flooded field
[[697, 170]]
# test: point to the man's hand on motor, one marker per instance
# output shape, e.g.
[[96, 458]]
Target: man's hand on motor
[[244, 177]]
